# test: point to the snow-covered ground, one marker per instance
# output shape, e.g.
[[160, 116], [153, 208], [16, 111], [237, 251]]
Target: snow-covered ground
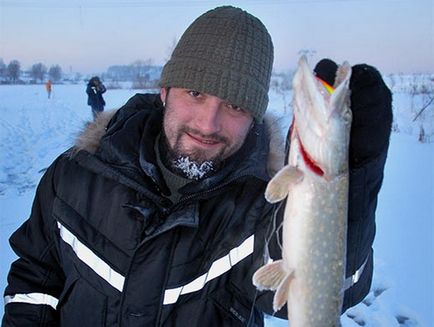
[[35, 129]]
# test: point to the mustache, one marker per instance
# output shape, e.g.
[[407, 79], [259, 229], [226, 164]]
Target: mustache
[[212, 137]]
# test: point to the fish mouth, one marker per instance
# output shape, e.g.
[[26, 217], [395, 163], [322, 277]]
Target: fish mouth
[[307, 158], [310, 162], [322, 120], [323, 100]]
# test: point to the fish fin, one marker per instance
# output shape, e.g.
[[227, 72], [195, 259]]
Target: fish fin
[[270, 276], [278, 187], [281, 296]]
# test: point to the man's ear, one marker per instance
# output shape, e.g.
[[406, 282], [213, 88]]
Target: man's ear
[[163, 94]]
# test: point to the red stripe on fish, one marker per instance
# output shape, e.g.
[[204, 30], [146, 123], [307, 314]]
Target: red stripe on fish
[[310, 163]]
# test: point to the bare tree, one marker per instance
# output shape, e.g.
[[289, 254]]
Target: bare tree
[[38, 72], [14, 70], [2, 69], [77, 77], [55, 73], [141, 73], [309, 53], [281, 83], [392, 80], [170, 49], [422, 90]]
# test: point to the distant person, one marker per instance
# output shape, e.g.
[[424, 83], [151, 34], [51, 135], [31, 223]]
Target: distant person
[[95, 89], [48, 87]]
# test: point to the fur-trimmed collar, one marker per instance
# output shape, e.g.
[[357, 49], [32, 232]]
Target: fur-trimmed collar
[[92, 133], [89, 139]]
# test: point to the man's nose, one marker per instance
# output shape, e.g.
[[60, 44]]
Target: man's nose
[[209, 116]]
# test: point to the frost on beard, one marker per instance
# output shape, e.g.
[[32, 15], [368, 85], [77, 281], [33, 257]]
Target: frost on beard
[[191, 169]]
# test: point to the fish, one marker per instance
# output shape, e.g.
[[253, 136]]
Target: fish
[[310, 276]]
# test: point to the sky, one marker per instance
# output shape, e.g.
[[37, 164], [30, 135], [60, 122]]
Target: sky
[[88, 36]]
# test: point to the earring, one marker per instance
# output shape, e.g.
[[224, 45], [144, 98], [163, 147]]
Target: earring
[[164, 103]]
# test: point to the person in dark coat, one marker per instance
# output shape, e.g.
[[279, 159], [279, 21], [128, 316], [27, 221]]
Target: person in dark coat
[[95, 88], [157, 216]]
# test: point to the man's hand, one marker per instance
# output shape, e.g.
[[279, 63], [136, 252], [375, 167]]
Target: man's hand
[[371, 104]]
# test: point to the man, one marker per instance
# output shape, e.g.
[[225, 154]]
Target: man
[[157, 216], [95, 89]]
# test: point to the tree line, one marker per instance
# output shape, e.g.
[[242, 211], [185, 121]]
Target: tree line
[[142, 73], [12, 72]]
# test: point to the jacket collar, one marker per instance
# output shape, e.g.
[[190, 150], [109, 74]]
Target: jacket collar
[[124, 140]]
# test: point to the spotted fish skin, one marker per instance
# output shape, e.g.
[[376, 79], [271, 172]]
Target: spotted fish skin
[[310, 276]]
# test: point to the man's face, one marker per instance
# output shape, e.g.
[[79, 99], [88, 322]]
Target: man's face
[[203, 127]]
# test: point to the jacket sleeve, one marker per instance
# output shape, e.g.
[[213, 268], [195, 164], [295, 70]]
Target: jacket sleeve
[[90, 95], [365, 184], [102, 88], [371, 104], [89, 90], [35, 280]]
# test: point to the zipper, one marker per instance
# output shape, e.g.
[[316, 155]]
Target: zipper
[[205, 193], [166, 211], [166, 277]]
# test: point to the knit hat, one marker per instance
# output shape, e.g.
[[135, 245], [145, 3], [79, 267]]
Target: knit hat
[[227, 53]]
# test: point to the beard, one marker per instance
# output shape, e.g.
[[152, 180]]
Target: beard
[[194, 163]]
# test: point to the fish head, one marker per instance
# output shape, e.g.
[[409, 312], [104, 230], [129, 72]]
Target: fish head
[[322, 121]]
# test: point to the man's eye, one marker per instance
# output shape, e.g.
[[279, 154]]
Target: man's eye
[[194, 93], [234, 107]]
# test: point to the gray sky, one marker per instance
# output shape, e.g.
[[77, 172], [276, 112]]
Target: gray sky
[[90, 35]]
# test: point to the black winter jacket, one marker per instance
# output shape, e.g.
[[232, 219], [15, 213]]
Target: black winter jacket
[[94, 96], [104, 247]]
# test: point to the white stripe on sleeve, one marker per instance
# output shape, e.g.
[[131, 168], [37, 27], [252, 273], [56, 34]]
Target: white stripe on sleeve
[[32, 298], [86, 255]]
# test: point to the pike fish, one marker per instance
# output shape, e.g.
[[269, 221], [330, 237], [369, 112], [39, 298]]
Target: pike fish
[[310, 276]]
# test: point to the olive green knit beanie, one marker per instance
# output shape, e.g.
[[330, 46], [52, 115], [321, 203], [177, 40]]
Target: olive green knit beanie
[[227, 53]]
